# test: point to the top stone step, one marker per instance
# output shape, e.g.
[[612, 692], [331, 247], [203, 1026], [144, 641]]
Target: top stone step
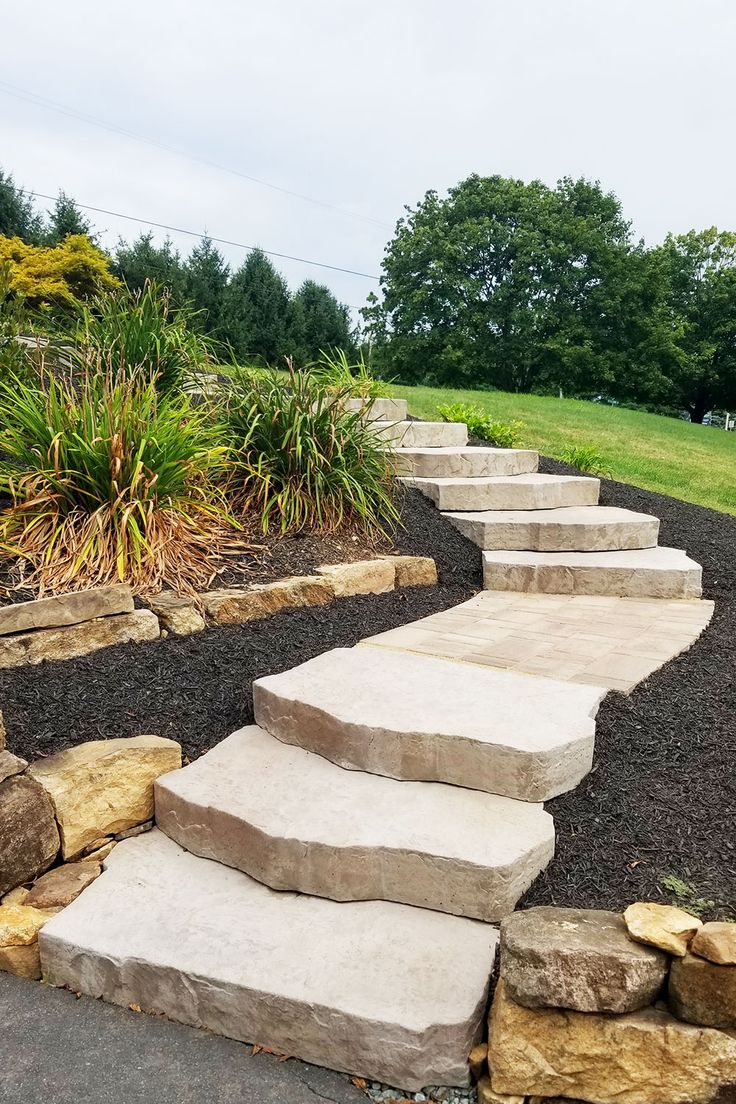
[[465, 463], [533, 491], [379, 409], [422, 434]]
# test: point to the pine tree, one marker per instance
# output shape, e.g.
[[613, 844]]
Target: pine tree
[[18, 217], [142, 260], [206, 278], [64, 219], [319, 323], [258, 312]]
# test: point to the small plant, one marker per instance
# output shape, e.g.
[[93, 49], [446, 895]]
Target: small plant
[[686, 897], [335, 374], [482, 426], [141, 333], [109, 481], [586, 458], [301, 459]]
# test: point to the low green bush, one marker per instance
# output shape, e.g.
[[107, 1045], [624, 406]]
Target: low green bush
[[301, 460], [481, 425], [110, 481], [586, 458]]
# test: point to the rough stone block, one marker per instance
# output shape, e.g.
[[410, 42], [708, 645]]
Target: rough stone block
[[380, 409], [414, 571], [236, 606], [385, 991], [700, 992], [645, 1057], [66, 609], [422, 434], [104, 786], [533, 491], [11, 764], [177, 614], [664, 926], [566, 529], [580, 959], [465, 463], [716, 941], [60, 886], [78, 640], [361, 577], [29, 839]]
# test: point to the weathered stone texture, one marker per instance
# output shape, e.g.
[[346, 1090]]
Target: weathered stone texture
[[60, 886], [10, 764], [716, 941], [414, 571], [664, 926], [177, 614], [29, 840], [78, 640], [66, 609], [361, 577], [236, 606], [700, 992]]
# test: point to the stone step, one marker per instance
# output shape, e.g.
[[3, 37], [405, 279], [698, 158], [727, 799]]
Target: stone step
[[385, 991], [532, 491], [380, 409], [352, 836], [422, 434], [448, 462], [642, 573], [566, 529], [415, 717]]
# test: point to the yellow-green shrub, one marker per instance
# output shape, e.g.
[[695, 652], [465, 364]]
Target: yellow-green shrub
[[61, 276]]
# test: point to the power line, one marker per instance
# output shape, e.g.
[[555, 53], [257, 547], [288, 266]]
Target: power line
[[220, 241], [63, 109]]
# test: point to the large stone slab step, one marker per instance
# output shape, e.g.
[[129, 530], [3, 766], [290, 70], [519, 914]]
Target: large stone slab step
[[643, 573], [386, 991], [454, 461], [296, 821], [422, 434], [566, 529], [414, 717], [380, 409], [532, 491]]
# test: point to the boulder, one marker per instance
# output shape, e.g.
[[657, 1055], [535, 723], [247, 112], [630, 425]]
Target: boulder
[[700, 992], [645, 1057], [29, 839], [361, 577], [487, 1095], [24, 962], [716, 941], [664, 926], [236, 606], [414, 571], [66, 609], [19, 928], [177, 614], [78, 640], [59, 887], [11, 764], [104, 786], [581, 959]]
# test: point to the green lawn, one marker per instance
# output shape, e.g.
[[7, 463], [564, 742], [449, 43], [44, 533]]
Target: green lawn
[[692, 462]]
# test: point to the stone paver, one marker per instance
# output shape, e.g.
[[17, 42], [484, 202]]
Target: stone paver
[[605, 641], [415, 718], [352, 836], [533, 491], [566, 529], [428, 463], [422, 434], [402, 1000], [638, 573]]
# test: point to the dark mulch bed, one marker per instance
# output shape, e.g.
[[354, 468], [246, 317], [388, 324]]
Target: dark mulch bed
[[660, 800]]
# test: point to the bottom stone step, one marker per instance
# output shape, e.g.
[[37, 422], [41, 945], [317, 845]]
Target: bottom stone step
[[385, 991]]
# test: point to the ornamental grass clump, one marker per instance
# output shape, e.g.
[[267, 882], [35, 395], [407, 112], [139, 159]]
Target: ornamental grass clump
[[110, 481], [335, 373], [301, 460]]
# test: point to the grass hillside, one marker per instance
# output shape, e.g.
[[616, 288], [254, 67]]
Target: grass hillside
[[691, 462]]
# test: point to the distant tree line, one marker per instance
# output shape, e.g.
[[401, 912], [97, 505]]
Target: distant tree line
[[522, 287], [250, 309]]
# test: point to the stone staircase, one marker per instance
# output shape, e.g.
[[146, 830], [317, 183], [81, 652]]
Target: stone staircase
[[325, 882]]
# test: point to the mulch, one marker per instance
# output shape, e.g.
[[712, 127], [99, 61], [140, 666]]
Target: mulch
[[661, 799]]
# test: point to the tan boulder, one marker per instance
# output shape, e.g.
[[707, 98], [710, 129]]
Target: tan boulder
[[66, 609], [29, 838], [24, 962], [59, 887], [104, 786], [700, 992], [19, 928], [11, 764], [716, 941], [236, 606], [478, 1061], [664, 926], [177, 614], [487, 1094], [361, 577], [645, 1057], [78, 640], [414, 571]]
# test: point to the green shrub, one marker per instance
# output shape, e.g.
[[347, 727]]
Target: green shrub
[[140, 332], [482, 426], [109, 481], [301, 460], [335, 374], [586, 458]]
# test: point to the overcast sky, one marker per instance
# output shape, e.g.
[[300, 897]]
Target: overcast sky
[[364, 105]]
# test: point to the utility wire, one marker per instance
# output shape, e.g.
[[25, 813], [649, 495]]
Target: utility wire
[[220, 241], [62, 109]]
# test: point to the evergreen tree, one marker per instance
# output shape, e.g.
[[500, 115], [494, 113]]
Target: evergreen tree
[[18, 217], [206, 278], [142, 260], [258, 312], [319, 323], [64, 219]]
